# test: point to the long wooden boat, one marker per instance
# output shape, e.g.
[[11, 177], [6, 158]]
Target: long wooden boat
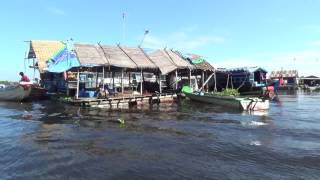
[[14, 93], [241, 103]]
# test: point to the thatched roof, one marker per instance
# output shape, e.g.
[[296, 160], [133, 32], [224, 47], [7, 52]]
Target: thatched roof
[[42, 51], [140, 58], [163, 61], [90, 55], [178, 60], [116, 57]]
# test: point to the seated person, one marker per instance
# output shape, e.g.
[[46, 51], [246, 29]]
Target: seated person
[[24, 78]]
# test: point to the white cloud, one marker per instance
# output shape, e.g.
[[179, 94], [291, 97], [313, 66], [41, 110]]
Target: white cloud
[[57, 11], [182, 41]]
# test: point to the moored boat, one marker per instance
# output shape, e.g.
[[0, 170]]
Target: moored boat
[[241, 103], [15, 93]]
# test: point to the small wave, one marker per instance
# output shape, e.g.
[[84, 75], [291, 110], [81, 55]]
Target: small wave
[[256, 123], [255, 143]]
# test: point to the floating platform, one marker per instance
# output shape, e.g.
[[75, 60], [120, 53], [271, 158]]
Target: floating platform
[[123, 102]]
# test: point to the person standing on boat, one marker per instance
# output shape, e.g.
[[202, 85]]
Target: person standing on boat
[[24, 78]]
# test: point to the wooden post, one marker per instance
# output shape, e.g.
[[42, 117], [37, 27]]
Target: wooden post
[[141, 82], [78, 83], [207, 86], [227, 81], [97, 77], [215, 81], [113, 82], [103, 76], [160, 84], [130, 80], [231, 81], [190, 77], [202, 79], [176, 80], [122, 87]]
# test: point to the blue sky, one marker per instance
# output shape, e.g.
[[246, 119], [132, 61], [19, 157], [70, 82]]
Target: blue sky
[[273, 34]]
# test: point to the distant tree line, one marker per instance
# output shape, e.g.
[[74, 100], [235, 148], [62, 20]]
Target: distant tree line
[[7, 82]]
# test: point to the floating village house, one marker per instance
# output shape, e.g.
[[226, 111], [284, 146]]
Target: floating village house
[[309, 81], [290, 77], [245, 79], [78, 70]]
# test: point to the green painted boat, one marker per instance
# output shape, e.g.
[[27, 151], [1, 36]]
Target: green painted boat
[[241, 103]]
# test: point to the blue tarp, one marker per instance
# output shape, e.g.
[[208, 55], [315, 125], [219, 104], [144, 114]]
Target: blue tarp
[[64, 60]]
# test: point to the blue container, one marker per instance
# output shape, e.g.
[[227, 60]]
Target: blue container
[[90, 93]]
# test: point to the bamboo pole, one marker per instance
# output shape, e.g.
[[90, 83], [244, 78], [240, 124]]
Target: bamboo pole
[[78, 83], [207, 80]]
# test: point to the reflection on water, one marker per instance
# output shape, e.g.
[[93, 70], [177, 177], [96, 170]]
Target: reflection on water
[[171, 141]]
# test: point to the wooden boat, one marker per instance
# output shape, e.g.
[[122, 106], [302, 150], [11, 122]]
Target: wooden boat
[[38, 93], [241, 103], [15, 93]]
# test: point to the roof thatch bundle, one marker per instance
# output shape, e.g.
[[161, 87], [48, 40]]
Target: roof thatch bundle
[[90, 55], [163, 61], [140, 58], [178, 60], [43, 51], [116, 57]]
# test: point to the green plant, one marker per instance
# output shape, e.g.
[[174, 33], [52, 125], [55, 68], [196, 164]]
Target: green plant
[[228, 92]]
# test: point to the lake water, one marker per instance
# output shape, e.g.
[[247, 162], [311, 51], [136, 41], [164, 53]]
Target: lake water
[[48, 140]]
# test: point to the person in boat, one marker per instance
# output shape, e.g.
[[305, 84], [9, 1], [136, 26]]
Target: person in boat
[[24, 78]]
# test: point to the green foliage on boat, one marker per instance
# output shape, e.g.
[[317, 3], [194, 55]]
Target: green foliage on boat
[[227, 92]]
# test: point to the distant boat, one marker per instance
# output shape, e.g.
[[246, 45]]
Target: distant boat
[[15, 93], [241, 103]]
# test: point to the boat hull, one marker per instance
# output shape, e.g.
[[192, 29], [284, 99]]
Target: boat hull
[[246, 104], [15, 93]]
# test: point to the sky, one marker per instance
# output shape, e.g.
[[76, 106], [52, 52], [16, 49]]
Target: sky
[[273, 34]]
